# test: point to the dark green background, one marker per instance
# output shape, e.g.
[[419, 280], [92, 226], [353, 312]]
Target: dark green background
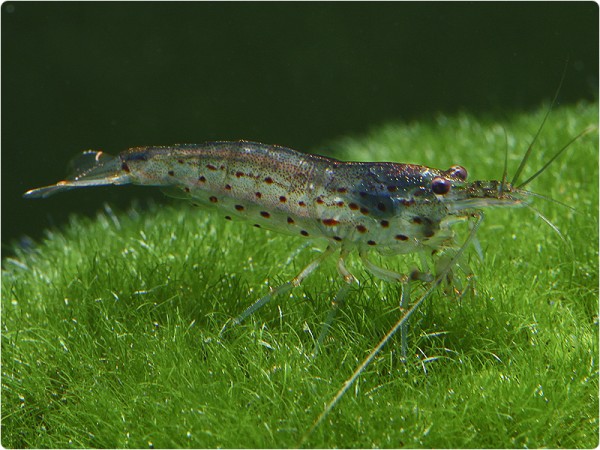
[[113, 75]]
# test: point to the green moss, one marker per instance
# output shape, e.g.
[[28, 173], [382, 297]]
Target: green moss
[[110, 327]]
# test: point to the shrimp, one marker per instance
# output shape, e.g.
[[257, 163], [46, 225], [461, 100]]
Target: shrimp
[[388, 208]]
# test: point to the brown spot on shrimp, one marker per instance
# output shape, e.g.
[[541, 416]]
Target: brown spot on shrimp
[[330, 222], [361, 229]]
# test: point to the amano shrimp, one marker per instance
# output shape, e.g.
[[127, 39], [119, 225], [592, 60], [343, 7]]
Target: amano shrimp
[[389, 208]]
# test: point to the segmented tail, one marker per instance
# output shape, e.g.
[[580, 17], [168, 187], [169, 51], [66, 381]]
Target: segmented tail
[[91, 168]]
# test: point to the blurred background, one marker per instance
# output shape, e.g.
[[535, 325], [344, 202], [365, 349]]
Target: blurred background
[[113, 75]]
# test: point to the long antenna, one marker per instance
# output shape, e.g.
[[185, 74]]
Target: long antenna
[[530, 148], [505, 170], [556, 155]]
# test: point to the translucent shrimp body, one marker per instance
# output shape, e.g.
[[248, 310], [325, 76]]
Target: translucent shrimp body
[[387, 207]]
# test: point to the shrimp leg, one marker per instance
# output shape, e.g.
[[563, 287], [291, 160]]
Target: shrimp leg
[[392, 277], [401, 322], [283, 288], [338, 300]]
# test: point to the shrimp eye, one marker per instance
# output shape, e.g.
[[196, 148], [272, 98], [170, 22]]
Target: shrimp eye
[[458, 172], [440, 186]]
